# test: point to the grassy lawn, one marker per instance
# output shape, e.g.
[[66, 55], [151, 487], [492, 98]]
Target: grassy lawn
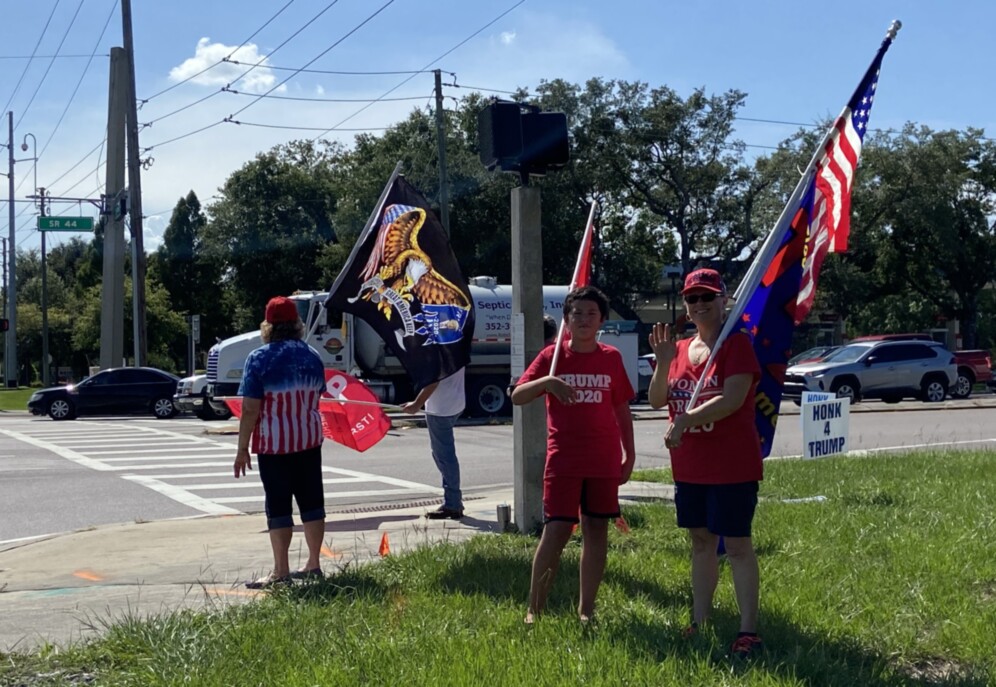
[[15, 399], [889, 579]]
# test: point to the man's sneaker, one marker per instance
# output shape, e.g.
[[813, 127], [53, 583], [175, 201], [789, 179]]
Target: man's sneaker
[[746, 647], [444, 513]]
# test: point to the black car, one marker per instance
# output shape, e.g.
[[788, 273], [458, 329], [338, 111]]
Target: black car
[[110, 392]]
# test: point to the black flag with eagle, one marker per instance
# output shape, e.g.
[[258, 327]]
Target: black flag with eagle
[[403, 279]]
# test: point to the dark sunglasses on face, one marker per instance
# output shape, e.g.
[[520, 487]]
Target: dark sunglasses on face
[[694, 298]]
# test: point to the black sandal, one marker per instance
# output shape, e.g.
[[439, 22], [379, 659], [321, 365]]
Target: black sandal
[[268, 582]]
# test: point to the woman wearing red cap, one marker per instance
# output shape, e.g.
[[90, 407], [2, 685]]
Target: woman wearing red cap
[[715, 449], [281, 384]]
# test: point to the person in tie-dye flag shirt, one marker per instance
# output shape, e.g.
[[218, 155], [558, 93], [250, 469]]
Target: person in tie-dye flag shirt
[[281, 384]]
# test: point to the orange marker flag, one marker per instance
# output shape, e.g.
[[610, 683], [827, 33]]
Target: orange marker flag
[[621, 525], [385, 546]]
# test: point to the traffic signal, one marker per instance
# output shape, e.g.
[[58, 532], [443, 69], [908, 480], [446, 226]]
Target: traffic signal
[[4, 324]]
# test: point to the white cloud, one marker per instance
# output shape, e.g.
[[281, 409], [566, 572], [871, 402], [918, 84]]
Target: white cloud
[[319, 90], [258, 80], [507, 37]]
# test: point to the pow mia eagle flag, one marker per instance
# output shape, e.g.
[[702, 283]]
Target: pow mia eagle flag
[[403, 279]]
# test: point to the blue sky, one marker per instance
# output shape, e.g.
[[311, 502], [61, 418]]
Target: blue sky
[[798, 62]]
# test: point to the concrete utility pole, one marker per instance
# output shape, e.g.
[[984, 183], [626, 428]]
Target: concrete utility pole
[[528, 421], [112, 294], [138, 263], [444, 191], [10, 352]]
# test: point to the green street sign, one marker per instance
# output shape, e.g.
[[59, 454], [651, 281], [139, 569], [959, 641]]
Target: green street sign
[[65, 224]]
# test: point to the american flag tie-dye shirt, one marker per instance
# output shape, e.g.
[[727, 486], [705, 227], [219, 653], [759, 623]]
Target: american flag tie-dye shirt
[[289, 378]]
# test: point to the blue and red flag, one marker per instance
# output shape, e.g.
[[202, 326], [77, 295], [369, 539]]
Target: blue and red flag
[[779, 288]]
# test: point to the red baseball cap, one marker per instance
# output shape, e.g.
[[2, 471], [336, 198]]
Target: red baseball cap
[[281, 309], [705, 278]]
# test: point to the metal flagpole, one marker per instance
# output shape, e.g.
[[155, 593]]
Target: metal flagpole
[[589, 229]]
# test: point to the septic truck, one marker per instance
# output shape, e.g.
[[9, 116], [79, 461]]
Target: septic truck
[[348, 344]]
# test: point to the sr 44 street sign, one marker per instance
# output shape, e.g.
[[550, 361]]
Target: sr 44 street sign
[[65, 224]]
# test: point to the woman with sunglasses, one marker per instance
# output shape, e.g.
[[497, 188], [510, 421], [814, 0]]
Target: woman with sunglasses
[[715, 449]]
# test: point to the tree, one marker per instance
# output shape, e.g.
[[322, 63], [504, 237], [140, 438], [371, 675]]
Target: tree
[[273, 220]]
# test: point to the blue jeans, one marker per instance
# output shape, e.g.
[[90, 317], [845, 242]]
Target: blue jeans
[[444, 453]]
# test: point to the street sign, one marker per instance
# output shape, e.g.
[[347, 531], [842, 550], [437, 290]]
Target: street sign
[[65, 224], [195, 327]]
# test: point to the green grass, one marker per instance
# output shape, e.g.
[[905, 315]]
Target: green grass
[[15, 399], [890, 580]]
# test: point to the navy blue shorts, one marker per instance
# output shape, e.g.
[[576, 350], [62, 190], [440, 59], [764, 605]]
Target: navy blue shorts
[[723, 509], [292, 475]]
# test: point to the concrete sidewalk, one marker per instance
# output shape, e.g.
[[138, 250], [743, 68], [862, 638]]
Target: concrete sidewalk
[[69, 587]]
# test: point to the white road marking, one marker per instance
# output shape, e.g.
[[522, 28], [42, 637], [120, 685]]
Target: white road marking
[[183, 496], [198, 456], [333, 495], [153, 450], [66, 453]]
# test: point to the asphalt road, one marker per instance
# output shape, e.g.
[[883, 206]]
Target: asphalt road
[[58, 477]]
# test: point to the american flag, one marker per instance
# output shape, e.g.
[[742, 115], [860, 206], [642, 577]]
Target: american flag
[[832, 183], [778, 290]]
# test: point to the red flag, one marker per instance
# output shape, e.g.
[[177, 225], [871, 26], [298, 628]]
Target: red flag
[[582, 269], [355, 425]]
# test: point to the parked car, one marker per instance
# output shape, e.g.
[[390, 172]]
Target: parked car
[[645, 365], [890, 370], [116, 391], [191, 396], [812, 354], [974, 366]]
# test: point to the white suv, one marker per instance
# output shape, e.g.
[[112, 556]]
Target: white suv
[[889, 370]]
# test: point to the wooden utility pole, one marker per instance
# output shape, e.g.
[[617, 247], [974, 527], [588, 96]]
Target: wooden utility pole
[[444, 192], [138, 262], [112, 293]]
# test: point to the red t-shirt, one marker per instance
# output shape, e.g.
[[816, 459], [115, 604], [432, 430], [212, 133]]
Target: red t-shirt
[[583, 440], [724, 452]]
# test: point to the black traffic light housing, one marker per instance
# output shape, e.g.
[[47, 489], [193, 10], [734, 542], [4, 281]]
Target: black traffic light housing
[[520, 138]]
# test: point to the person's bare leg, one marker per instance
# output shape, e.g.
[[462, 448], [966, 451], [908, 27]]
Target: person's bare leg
[[705, 572], [545, 563], [746, 579], [280, 540], [594, 550], [314, 533]]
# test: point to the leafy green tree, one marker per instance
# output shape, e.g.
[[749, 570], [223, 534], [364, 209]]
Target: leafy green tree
[[271, 223]]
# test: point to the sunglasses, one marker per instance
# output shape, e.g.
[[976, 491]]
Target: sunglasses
[[694, 298]]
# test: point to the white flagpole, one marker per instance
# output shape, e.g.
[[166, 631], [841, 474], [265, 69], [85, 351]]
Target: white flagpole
[[589, 229], [771, 245]]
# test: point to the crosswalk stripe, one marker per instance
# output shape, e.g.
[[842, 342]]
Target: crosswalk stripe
[[333, 495]]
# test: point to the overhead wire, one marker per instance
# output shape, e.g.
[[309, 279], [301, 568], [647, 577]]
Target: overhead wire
[[72, 97], [426, 67], [51, 62], [343, 73], [230, 118], [222, 60], [34, 52], [241, 76], [325, 100]]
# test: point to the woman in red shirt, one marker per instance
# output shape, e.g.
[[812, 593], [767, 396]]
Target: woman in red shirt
[[715, 449]]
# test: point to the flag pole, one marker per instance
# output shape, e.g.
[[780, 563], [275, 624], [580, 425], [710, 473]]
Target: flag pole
[[358, 246], [589, 229], [774, 239]]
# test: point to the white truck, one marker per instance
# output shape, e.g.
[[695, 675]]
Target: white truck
[[351, 345]]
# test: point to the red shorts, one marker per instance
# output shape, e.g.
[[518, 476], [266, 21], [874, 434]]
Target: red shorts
[[563, 497]]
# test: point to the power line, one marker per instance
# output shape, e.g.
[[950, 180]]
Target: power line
[[224, 59], [328, 100], [81, 161], [32, 58], [317, 57], [343, 73], [72, 97], [51, 62], [44, 57], [426, 67], [231, 116], [303, 128], [478, 88], [246, 72]]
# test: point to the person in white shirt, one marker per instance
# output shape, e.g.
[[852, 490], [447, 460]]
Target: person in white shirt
[[444, 401]]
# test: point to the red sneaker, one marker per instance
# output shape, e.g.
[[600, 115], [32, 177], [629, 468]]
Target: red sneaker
[[746, 647]]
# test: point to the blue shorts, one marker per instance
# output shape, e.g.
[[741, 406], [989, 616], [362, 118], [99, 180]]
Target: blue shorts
[[723, 509], [290, 476]]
